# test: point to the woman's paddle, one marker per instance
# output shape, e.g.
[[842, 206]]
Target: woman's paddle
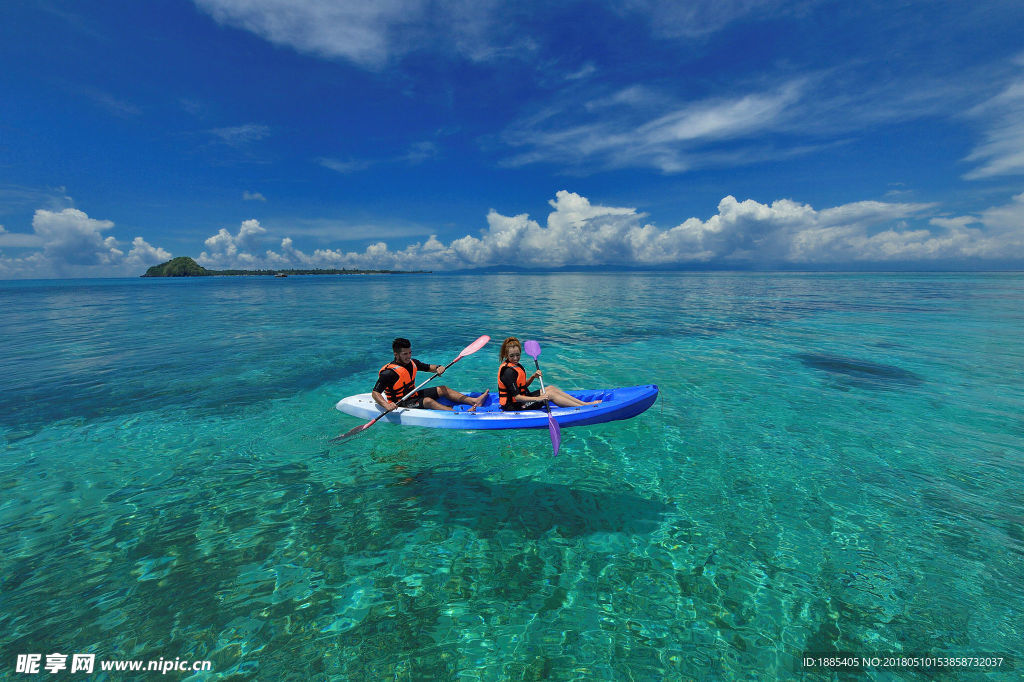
[[468, 350], [533, 350]]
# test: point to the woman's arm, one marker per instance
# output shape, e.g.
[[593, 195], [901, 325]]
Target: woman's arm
[[508, 377]]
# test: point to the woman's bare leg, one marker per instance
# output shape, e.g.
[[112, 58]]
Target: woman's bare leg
[[563, 399]]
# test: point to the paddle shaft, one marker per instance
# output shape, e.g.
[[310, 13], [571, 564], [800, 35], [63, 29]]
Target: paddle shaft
[[547, 403], [533, 350]]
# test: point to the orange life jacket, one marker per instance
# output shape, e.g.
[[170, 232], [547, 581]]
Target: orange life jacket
[[406, 380], [503, 390]]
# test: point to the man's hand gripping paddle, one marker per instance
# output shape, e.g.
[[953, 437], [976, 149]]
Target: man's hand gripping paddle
[[468, 350], [533, 350]]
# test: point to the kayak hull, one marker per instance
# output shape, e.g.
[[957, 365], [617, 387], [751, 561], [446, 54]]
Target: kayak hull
[[616, 403]]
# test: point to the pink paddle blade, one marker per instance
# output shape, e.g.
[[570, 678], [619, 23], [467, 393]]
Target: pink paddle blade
[[532, 349], [351, 432], [475, 346]]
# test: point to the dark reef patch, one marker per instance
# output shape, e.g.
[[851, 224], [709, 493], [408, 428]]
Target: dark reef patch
[[860, 372]]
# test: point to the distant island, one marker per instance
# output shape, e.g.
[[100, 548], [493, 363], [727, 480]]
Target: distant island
[[183, 266]]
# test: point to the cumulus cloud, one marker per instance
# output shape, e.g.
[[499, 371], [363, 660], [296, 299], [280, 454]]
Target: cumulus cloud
[[73, 244], [31, 266], [253, 196], [741, 234], [72, 237], [228, 250], [143, 254], [18, 240]]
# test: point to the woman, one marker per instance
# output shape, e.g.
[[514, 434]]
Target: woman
[[513, 384]]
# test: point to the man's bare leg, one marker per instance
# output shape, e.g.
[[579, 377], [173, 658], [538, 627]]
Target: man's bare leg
[[455, 397]]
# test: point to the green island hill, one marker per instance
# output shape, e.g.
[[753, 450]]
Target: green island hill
[[183, 266]]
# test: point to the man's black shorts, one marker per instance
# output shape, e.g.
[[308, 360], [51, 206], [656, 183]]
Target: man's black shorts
[[415, 401]]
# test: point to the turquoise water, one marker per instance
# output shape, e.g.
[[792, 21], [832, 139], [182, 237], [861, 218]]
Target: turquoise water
[[835, 464]]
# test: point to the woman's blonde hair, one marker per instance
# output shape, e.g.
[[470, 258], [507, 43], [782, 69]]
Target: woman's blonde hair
[[506, 344]]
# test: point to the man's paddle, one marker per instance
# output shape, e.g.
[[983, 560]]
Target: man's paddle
[[533, 350], [468, 350]]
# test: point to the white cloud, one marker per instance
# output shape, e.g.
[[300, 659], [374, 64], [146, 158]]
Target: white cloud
[[954, 223], [344, 166], [637, 127], [576, 232], [586, 128], [1006, 223], [358, 31], [417, 153], [253, 196], [371, 34], [16, 240], [420, 152], [585, 71], [227, 250], [144, 254], [72, 237], [740, 234], [697, 18], [73, 244], [112, 104], [32, 266], [1002, 152], [239, 136]]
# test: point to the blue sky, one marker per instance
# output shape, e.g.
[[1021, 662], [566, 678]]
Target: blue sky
[[454, 135]]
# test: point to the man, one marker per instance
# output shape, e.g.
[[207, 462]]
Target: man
[[397, 378]]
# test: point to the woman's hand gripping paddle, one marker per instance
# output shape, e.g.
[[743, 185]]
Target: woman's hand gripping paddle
[[533, 350], [468, 350]]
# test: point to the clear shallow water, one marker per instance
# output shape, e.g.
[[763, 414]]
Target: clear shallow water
[[835, 464]]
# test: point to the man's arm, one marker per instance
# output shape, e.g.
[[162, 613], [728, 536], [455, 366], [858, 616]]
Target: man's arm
[[387, 378], [433, 369]]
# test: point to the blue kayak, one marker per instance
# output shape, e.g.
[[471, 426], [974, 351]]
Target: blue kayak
[[616, 403]]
